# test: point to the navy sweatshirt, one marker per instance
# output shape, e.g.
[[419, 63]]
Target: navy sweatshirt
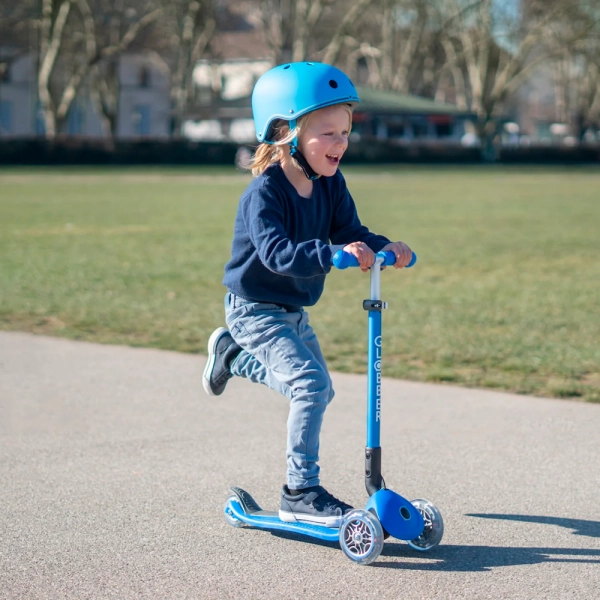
[[281, 248]]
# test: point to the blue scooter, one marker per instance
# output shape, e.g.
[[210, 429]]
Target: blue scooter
[[361, 533]]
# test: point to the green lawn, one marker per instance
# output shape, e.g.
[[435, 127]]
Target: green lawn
[[505, 294]]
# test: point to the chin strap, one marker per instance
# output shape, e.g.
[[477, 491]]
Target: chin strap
[[303, 163], [299, 157]]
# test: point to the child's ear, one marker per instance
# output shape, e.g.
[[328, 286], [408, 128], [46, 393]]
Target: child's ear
[[281, 129]]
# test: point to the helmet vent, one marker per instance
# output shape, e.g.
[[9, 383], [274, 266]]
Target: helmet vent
[[310, 64], [286, 67], [333, 83]]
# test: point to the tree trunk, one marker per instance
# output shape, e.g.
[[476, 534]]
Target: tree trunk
[[486, 129], [178, 81], [52, 32], [387, 46], [456, 72], [307, 15], [192, 44], [409, 52]]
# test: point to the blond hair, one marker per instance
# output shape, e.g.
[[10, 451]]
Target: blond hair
[[267, 154]]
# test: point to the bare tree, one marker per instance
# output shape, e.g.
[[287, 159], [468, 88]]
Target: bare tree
[[15, 32], [308, 13], [396, 39], [575, 46], [452, 68], [192, 24], [588, 96], [402, 26], [297, 30], [126, 24], [354, 13], [498, 51], [372, 56], [289, 25], [75, 24], [52, 26]]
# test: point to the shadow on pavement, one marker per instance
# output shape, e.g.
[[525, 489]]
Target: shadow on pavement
[[462, 558], [481, 558], [579, 526], [294, 537]]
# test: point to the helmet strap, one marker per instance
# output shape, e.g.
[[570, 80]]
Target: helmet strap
[[303, 163], [298, 157]]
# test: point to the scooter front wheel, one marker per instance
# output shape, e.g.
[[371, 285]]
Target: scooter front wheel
[[361, 536], [229, 517], [434, 526]]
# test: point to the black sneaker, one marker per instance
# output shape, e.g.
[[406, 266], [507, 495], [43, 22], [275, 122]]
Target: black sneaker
[[221, 352], [313, 505]]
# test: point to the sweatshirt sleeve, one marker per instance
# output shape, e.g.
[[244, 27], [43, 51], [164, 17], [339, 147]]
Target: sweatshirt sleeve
[[346, 226], [263, 217]]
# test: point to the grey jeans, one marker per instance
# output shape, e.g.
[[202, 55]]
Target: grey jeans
[[280, 350]]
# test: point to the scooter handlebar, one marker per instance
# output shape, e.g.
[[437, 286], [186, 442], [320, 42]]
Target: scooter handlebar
[[343, 260]]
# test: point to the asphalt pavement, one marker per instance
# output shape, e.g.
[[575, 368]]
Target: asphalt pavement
[[114, 468]]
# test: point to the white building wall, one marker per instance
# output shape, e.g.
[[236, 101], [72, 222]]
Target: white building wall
[[18, 94], [144, 108], [231, 79], [92, 122], [144, 101]]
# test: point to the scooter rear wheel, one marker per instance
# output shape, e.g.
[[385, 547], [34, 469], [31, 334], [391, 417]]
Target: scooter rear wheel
[[361, 536], [434, 526], [233, 521]]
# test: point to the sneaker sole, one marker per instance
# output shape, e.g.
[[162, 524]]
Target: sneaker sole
[[212, 342], [287, 517]]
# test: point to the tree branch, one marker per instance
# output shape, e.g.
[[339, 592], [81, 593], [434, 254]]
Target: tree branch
[[332, 50], [409, 51]]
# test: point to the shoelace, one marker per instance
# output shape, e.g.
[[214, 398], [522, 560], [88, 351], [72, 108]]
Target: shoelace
[[327, 500]]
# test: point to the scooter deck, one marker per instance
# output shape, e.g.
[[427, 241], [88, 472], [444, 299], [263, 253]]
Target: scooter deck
[[245, 508]]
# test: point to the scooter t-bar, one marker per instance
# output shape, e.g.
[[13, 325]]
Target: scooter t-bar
[[374, 305]]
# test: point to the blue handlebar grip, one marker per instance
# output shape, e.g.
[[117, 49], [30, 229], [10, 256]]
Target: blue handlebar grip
[[343, 260], [389, 258]]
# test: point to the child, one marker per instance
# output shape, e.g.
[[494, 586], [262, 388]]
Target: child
[[291, 220]]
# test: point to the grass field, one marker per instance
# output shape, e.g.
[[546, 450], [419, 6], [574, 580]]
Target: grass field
[[505, 294]]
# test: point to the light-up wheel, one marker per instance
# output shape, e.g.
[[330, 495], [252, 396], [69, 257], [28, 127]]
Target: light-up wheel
[[434, 526], [229, 516], [361, 536]]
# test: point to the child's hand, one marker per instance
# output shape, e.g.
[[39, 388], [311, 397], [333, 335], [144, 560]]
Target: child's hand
[[364, 254], [402, 251]]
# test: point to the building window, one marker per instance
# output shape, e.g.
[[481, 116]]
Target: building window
[[396, 128], [420, 129], [443, 125], [141, 119], [6, 117], [443, 130], [144, 77]]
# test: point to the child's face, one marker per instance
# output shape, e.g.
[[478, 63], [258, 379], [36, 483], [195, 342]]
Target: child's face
[[325, 139]]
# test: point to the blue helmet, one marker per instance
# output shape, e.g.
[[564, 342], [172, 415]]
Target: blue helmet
[[294, 89]]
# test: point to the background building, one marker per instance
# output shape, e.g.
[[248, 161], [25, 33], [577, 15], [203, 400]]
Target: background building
[[143, 104]]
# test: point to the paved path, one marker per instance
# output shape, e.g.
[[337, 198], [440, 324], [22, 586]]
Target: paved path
[[114, 467]]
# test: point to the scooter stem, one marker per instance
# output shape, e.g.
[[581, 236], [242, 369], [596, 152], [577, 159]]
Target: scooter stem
[[342, 260], [373, 479]]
